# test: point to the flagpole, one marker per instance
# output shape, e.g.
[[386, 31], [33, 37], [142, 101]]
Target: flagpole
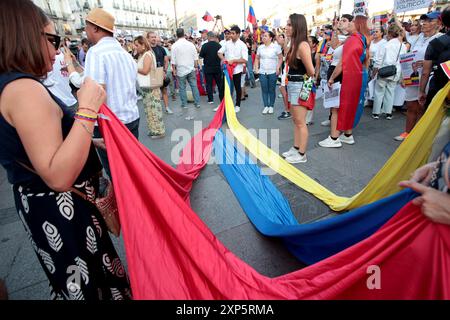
[[245, 19]]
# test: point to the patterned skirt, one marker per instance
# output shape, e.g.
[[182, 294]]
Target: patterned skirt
[[72, 243], [153, 110]]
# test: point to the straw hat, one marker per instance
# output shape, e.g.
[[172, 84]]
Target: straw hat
[[101, 19]]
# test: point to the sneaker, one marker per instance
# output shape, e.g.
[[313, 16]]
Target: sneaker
[[280, 95], [325, 123], [156, 136], [376, 116], [347, 140], [402, 136], [184, 107], [266, 109], [297, 158], [197, 106], [210, 102], [270, 110], [169, 111], [291, 152], [237, 109], [388, 116], [310, 123], [285, 115], [216, 108], [330, 143]]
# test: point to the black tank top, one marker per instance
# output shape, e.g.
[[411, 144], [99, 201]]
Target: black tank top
[[300, 70], [12, 150]]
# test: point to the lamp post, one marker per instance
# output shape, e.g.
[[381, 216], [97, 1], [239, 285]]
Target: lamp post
[[245, 20], [175, 11]]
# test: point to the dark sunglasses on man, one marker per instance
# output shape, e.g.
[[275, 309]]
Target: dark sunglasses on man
[[54, 39]]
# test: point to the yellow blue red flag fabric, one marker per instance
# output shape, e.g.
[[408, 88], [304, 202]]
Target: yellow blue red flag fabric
[[251, 14]]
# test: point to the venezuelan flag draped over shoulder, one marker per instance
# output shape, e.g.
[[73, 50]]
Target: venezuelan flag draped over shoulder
[[251, 14]]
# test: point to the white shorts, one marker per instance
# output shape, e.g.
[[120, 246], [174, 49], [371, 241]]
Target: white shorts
[[412, 93]]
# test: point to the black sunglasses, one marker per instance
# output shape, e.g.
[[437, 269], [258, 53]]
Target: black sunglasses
[[54, 39]]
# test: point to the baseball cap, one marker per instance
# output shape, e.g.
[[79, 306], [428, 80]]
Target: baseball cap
[[203, 31], [431, 15]]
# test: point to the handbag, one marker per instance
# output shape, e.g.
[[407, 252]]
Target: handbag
[[389, 71], [106, 205], [156, 74]]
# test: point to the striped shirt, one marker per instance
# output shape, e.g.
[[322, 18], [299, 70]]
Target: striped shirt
[[108, 64]]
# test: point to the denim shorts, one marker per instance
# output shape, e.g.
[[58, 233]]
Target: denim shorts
[[293, 91]]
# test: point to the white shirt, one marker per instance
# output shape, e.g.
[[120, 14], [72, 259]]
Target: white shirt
[[388, 55], [234, 51], [268, 58], [337, 55], [184, 55], [412, 38], [57, 81], [374, 47], [110, 65]]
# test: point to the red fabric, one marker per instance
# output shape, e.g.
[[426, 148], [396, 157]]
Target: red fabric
[[172, 254], [201, 88], [352, 71], [207, 17]]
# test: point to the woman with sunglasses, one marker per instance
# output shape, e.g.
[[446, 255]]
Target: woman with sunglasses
[[46, 152]]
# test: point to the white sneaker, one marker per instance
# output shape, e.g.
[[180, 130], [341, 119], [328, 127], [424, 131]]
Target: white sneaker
[[270, 110], [280, 96], [211, 102], [169, 111], [266, 109], [237, 109], [347, 140], [291, 152], [330, 143], [296, 158], [325, 123]]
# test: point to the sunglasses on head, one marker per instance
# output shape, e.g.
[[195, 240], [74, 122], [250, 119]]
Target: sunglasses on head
[[54, 39]]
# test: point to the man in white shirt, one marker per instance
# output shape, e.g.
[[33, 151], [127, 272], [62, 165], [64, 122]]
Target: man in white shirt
[[113, 68], [184, 64], [235, 52]]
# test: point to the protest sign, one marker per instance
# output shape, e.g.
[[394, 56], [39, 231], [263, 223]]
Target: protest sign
[[409, 5], [410, 71], [331, 97], [360, 8]]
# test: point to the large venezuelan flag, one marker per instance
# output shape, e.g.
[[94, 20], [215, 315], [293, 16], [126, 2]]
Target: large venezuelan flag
[[172, 254]]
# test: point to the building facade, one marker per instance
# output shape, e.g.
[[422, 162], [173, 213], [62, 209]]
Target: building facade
[[132, 16]]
